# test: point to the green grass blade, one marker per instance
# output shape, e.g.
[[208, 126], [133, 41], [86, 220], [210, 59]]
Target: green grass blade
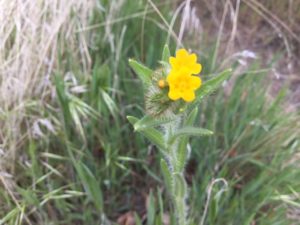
[[166, 54], [91, 185], [151, 209]]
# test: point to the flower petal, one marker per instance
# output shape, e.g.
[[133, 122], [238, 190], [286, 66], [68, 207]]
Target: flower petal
[[172, 76], [188, 96], [193, 58], [181, 53], [173, 62], [196, 68], [182, 83], [173, 94], [195, 82]]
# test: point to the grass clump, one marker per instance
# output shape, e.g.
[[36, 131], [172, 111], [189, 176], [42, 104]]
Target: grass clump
[[252, 149], [76, 159]]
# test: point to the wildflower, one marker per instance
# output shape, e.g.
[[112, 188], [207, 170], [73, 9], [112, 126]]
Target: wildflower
[[182, 84], [184, 59]]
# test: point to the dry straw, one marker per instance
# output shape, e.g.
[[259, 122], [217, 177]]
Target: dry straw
[[33, 34]]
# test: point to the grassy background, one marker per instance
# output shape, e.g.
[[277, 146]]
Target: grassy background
[[69, 156]]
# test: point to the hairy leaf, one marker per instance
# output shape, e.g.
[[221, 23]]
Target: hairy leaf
[[152, 134], [143, 72]]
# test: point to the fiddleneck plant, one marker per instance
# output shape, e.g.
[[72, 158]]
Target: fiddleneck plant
[[172, 95]]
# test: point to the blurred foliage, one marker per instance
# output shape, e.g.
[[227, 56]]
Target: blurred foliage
[[95, 168]]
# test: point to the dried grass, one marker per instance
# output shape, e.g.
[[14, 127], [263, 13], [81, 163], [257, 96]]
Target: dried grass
[[33, 34]]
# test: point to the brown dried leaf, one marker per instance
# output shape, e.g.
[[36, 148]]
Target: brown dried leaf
[[126, 219]]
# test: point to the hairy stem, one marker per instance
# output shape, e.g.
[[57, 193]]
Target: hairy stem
[[179, 186], [180, 206]]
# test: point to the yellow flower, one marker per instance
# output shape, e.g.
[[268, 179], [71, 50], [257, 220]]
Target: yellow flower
[[184, 59], [182, 84]]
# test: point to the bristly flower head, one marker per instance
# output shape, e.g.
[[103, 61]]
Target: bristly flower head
[[170, 88], [182, 83]]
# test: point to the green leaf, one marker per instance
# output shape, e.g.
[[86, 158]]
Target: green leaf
[[212, 85], [152, 134], [111, 105], [190, 131], [151, 209], [160, 219], [75, 115], [167, 175], [137, 219], [166, 54], [10, 216], [165, 60], [143, 72], [147, 122], [190, 120], [180, 186], [35, 170], [64, 103], [101, 78], [277, 101], [91, 185], [28, 196], [182, 145]]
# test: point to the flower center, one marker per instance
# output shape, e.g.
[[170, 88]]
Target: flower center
[[182, 84]]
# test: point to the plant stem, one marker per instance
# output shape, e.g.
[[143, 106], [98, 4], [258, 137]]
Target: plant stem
[[180, 207], [179, 186]]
